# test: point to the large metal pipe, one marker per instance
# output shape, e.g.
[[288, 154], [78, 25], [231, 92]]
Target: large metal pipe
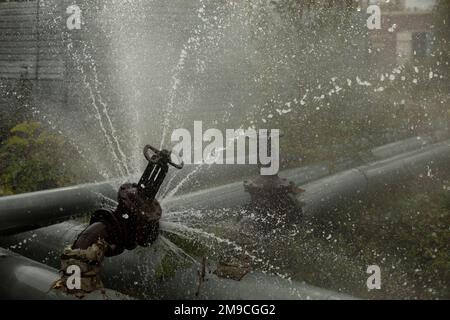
[[29, 211], [395, 148], [37, 209], [136, 272], [25, 279], [321, 196], [325, 195]]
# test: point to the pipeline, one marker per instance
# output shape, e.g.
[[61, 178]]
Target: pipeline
[[321, 196], [121, 272], [325, 195], [22, 278], [29, 211], [392, 149], [37, 209]]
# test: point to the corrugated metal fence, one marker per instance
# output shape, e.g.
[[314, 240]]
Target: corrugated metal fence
[[31, 41]]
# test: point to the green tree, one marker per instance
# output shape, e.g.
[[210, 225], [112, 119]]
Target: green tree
[[33, 158], [17, 107]]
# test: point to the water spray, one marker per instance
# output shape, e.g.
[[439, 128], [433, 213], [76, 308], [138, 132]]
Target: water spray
[[135, 222]]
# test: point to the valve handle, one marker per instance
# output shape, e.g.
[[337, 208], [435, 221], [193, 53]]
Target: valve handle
[[156, 170], [163, 156]]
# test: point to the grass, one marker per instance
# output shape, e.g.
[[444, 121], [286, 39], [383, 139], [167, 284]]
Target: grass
[[405, 231]]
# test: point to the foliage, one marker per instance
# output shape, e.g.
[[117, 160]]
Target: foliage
[[33, 158], [167, 267], [18, 94]]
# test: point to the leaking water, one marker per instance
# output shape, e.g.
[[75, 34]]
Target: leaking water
[[239, 65]]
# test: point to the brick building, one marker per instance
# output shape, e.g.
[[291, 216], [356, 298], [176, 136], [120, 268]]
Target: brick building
[[406, 28]]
